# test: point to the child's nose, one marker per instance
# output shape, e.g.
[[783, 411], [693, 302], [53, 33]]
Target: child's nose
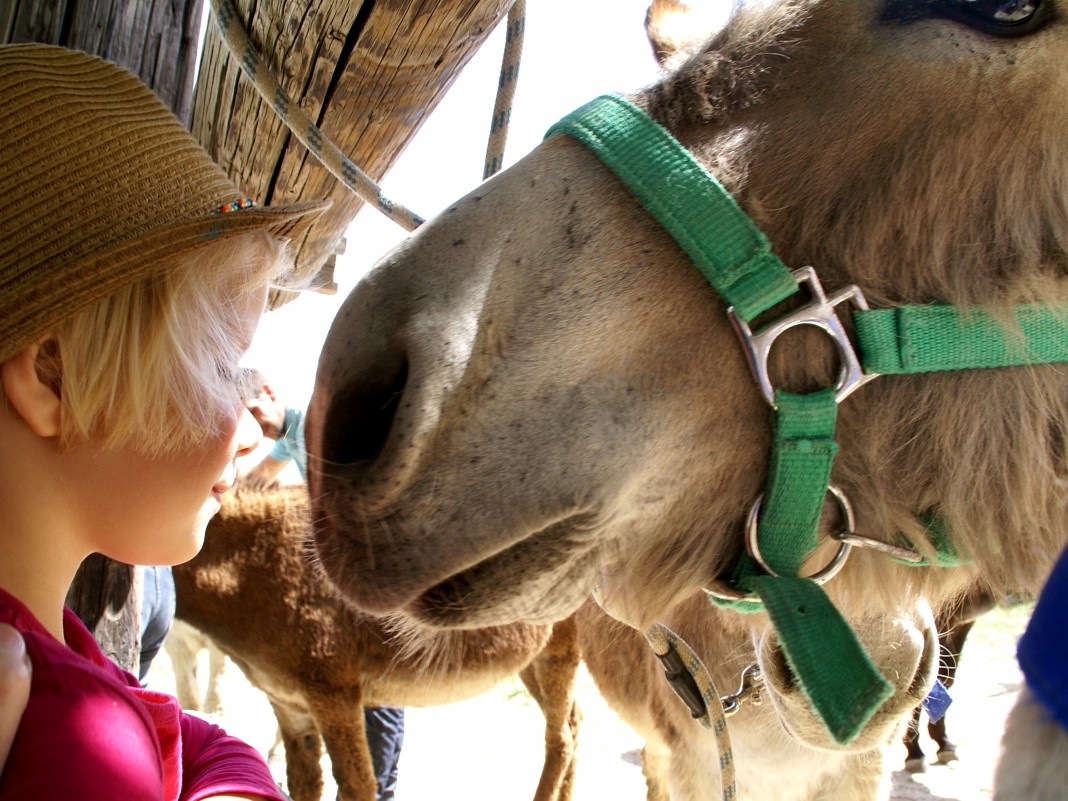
[[249, 433]]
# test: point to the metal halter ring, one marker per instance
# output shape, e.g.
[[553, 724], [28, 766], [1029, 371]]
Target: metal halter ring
[[725, 592], [828, 571]]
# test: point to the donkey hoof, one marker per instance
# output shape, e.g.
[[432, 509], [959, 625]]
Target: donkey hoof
[[915, 765], [947, 755]]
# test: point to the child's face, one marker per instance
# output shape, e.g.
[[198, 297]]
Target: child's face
[[154, 510]]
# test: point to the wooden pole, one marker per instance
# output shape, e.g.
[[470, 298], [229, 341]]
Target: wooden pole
[[367, 73]]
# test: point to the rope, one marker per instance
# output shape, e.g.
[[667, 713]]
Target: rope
[[693, 684], [323, 148], [502, 109], [664, 643], [309, 135]]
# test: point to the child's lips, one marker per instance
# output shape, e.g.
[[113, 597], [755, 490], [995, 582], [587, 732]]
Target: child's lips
[[225, 483]]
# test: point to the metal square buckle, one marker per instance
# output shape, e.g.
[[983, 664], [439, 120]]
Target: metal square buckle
[[819, 312]]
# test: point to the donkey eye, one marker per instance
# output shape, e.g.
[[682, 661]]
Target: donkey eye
[[999, 12], [997, 17]]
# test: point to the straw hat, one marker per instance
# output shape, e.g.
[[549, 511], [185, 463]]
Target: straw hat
[[98, 183]]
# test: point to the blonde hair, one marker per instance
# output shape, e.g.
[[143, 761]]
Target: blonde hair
[[153, 365]]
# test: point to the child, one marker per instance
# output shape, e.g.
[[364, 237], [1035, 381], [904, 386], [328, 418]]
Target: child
[[132, 276]]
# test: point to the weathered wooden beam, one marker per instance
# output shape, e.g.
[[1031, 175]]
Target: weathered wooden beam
[[154, 39], [368, 72], [106, 595]]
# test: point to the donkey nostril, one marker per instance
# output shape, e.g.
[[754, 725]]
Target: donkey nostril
[[361, 416]]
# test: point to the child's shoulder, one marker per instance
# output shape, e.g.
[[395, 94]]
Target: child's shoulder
[[80, 705], [79, 659]]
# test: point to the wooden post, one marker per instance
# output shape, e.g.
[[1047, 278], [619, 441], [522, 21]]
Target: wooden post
[[106, 595], [154, 39], [369, 73]]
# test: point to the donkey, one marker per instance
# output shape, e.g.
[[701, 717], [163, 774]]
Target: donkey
[[257, 592], [538, 394]]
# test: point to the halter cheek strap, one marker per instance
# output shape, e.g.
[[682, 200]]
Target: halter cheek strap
[[831, 665]]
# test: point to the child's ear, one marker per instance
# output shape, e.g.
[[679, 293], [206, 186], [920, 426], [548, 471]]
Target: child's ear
[[30, 381]]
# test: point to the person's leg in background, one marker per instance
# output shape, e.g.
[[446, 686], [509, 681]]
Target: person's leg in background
[[385, 735], [157, 614]]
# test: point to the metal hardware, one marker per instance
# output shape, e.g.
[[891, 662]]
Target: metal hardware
[[897, 551], [725, 592], [819, 313], [683, 682], [749, 689], [828, 571]]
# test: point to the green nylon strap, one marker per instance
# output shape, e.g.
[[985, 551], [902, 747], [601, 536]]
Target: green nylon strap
[[921, 339], [946, 553], [736, 258], [732, 253], [800, 469], [838, 677]]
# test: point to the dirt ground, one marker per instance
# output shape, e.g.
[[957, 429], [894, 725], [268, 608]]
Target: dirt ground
[[489, 748]]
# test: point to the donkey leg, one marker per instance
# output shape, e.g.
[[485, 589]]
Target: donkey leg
[[304, 777], [216, 667], [339, 716], [182, 646], [861, 776], [550, 678], [915, 761], [952, 645]]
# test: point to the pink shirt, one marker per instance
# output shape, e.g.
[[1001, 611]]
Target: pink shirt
[[91, 732]]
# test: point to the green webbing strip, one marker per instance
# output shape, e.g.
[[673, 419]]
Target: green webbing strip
[[723, 243], [946, 553], [921, 339], [736, 258], [801, 456], [837, 676]]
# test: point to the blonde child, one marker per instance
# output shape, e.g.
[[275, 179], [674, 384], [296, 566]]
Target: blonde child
[[132, 276]]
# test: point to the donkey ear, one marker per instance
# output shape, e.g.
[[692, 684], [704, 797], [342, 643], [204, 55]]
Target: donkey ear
[[679, 26]]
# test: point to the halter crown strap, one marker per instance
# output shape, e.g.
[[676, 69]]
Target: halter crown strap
[[732, 253]]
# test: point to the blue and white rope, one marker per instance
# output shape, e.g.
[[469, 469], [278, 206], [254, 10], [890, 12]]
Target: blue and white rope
[[322, 147]]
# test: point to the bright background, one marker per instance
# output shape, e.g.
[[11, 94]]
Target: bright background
[[573, 51]]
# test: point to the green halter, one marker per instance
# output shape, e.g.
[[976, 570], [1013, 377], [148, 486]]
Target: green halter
[[833, 668]]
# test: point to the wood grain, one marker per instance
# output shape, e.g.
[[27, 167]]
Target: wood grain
[[369, 73]]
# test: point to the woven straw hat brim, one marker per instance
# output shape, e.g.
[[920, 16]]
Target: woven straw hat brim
[[99, 186], [30, 309]]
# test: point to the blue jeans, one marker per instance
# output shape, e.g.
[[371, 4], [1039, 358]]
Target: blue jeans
[[385, 734], [157, 614]]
